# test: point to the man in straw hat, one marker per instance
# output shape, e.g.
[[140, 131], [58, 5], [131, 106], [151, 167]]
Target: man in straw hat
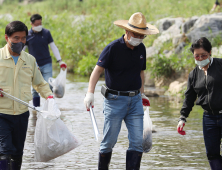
[[124, 61]]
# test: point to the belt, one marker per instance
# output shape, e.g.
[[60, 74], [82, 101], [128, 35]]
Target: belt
[[124, 93], [214, 112]]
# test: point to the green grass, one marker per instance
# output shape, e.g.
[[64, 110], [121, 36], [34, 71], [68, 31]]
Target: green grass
[[82, 42]]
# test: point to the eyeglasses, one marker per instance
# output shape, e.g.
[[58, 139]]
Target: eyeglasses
[[203, 56], [18, 39], [138, 36]]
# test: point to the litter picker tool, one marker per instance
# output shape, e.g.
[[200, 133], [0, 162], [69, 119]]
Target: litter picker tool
[[95, 127], [18, 100]]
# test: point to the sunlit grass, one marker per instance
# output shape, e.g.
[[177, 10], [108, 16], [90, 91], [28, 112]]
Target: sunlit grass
[[90, 33]]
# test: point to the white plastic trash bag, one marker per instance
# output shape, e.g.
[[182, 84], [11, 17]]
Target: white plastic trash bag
[[58, 84], [147, 131], [52, 138]]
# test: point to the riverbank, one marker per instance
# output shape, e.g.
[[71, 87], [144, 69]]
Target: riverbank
[[169, 58], [82, 29]]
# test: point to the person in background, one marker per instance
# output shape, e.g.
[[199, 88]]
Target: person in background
[[18, 72], [124, 62], [217, 3], [38, 40], [204, 87]]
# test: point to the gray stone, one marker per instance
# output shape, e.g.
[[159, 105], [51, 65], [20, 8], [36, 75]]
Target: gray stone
[[189, 24], [151, 51], [208, 26], [176, 40], [180, 47], [176, 88], [165, 23], [167, 35], [149, 81], [217, 51]]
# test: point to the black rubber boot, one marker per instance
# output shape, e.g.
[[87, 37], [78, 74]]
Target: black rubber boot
[[216, 164], [36, 101], [133, 159], [16, 162], [104, 161], [5, 162]]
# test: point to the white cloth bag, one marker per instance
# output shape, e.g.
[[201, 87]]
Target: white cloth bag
[[52, 138], [58, 84], [147, 131]]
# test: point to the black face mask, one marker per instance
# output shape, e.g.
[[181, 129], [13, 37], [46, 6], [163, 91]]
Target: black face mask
[[17, 47]]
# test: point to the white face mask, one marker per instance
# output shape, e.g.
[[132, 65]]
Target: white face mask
[[135, 41], [202, 63], [38, 28]]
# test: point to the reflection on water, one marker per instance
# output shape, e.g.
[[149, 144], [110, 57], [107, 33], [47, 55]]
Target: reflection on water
[[170, 150]]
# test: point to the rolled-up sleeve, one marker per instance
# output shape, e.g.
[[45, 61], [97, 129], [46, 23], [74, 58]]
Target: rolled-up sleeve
[[190, 97], [39, 84]]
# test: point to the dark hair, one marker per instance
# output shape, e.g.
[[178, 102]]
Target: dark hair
[[15, 26], [35, 17], [203, 42]]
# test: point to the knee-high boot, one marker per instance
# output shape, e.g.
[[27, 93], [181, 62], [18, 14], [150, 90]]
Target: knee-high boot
[[216, 164], [104, 161], [133, 159], [36, 101], [5, 162], [16, 162]]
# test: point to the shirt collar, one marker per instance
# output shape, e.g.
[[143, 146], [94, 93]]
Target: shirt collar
[[211, 61], [32, 32], [8, 55], [122, 41]]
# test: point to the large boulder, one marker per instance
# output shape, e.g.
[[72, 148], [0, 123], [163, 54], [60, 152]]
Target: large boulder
[[206, 26], [217, 52], [180, 47], [189, 24], [165, 23], [176, 88], [149, 81], [168, 34], [151, 51]]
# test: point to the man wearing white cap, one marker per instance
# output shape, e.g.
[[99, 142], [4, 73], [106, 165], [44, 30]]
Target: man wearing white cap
[[124, 62]]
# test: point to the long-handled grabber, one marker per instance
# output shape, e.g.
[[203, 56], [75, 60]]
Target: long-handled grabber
[[95, 127], [18, 100]]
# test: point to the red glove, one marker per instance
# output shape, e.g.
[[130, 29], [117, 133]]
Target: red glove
[[50, 97], [145, 100], [180, 126], [62, 64], [1, 93]]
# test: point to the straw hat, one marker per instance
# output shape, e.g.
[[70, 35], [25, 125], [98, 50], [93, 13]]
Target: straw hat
[[137, 24]]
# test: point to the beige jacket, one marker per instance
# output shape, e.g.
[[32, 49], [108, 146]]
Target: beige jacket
[[18, 79]]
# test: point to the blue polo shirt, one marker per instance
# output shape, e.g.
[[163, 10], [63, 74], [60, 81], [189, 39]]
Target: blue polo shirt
[[123, 65], [38, 45]]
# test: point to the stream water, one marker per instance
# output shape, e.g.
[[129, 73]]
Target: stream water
[[170, 150]]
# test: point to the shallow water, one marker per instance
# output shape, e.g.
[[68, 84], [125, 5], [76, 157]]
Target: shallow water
[[170, 150]]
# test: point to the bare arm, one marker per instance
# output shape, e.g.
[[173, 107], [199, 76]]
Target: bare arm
[[94, 78], [142, 79]]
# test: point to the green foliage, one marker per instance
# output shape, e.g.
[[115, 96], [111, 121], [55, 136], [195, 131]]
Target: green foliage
[[162, 66], [86, 65], [217, 41], [168, 45], [82, 29]]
